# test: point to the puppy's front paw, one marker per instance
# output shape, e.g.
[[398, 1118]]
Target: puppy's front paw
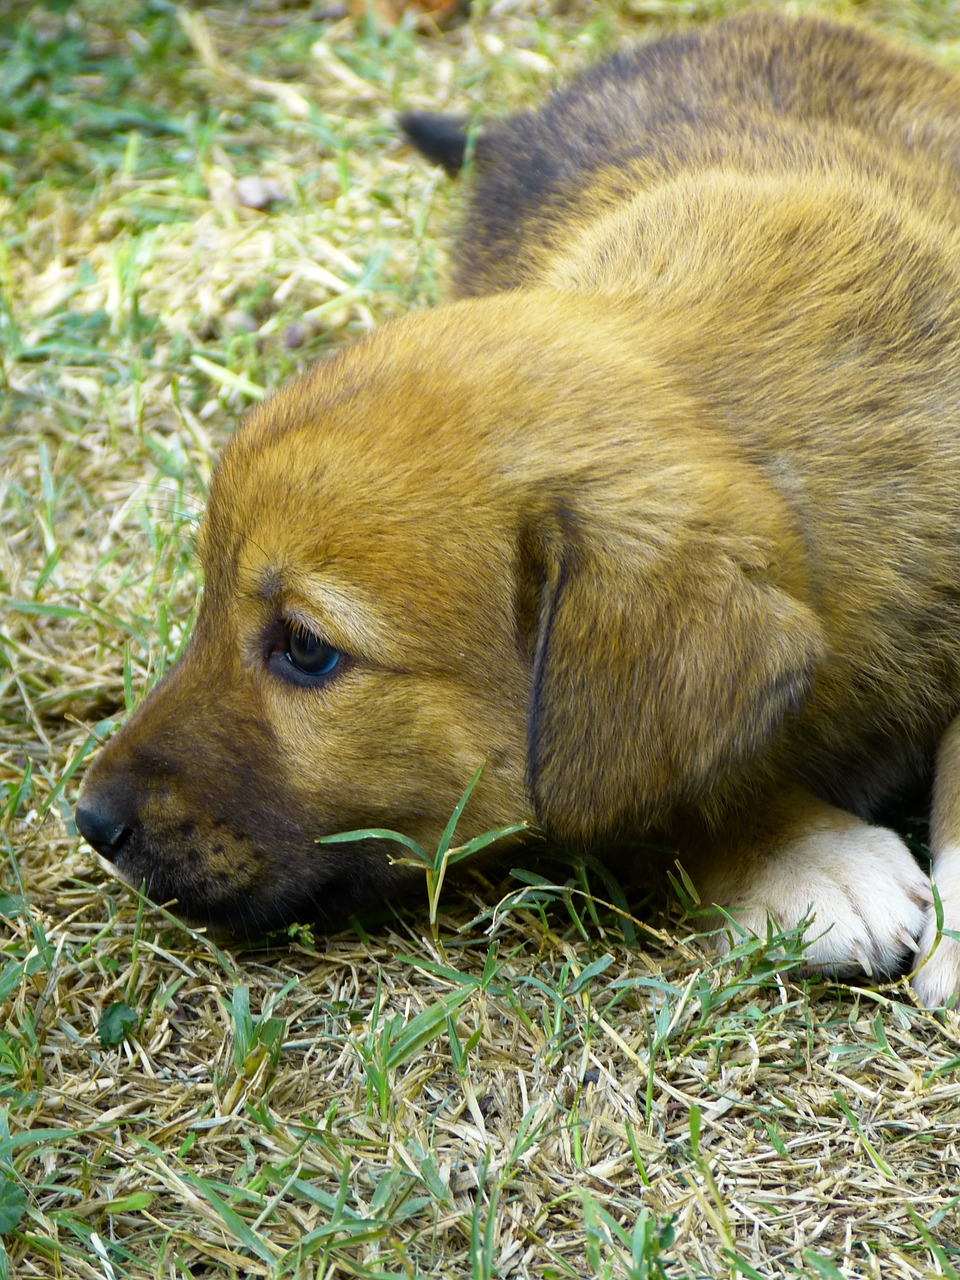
[[865, 895], [937, 978]]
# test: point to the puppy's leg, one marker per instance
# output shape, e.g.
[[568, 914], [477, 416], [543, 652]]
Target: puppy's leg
[[938, 975], [803, 858]]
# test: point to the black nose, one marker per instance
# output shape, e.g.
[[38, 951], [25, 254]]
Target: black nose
[[104, 830]]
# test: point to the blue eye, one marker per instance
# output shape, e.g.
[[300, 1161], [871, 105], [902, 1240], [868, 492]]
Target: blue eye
[[309, 654]]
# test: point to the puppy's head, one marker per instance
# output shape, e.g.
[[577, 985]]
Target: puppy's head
[[429, 555]]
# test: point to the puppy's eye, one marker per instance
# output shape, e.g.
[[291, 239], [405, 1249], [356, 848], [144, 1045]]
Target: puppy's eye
[[309, 654]]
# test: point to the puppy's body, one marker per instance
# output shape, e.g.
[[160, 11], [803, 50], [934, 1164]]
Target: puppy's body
[[753, 95], [663, 528]]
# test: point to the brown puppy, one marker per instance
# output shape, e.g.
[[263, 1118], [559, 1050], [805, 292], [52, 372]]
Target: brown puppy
[[662, 528]]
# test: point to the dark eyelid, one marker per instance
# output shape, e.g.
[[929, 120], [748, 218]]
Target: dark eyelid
[[283, 669]]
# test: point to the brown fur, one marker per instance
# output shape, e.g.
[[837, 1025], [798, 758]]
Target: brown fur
[[662, 528]]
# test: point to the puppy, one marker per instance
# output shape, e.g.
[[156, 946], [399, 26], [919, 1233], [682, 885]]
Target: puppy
[[657, 521]]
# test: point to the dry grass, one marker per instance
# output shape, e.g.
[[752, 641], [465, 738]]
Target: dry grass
[[542, 1089]]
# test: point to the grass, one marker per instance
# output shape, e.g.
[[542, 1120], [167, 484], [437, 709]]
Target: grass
[[518, 1080]]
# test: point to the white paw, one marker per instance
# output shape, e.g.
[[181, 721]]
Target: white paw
[[865, 895], [937, 977]]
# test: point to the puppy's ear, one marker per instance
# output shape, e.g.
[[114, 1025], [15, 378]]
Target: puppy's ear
[[441, 138], [656, 676]]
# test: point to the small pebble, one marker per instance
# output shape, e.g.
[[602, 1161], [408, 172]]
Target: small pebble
[[295, 335], [258, 193], [238, 319]]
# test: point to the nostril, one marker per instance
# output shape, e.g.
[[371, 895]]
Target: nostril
[[104, 830]]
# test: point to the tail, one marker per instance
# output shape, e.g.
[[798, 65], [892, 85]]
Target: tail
[[441, 138]]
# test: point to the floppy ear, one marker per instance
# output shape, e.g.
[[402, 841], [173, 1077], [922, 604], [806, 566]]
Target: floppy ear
[[657, 676], [441, 138]]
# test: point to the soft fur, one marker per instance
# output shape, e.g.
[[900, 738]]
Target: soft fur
[[658, 521]]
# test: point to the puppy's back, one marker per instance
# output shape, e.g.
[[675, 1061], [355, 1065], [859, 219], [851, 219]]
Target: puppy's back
[[759, 93]]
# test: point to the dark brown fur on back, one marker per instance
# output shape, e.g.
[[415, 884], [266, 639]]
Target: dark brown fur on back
[[758, 92]]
